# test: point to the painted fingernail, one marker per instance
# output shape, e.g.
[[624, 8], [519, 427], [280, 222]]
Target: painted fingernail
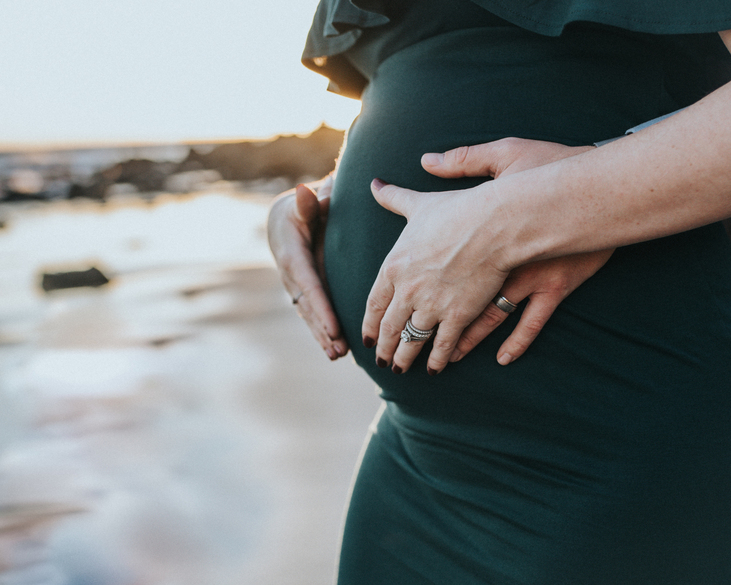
[[456, 356], [396, 370], [504, 359], [379, 184], [432, 158], [381, 363], [331, 353], [431, 371], [368, 342]]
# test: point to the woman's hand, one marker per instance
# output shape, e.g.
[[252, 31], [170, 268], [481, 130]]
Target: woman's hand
[[438, 273], [296, 230], [546, 283]]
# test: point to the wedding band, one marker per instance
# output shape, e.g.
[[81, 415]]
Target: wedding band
[[296, 299], [504, 304], [411, 333]]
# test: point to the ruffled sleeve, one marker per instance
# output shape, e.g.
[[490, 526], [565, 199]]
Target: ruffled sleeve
[[549, 17], [336, 27], [338, 24]]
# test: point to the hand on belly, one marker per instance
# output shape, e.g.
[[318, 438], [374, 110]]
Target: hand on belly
[[440, 272]]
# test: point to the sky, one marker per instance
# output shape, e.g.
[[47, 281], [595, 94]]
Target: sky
[[104, 71]]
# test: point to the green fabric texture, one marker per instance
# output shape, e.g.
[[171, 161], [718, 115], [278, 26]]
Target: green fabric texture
[[338, 24], [550, 17], [603, 455]]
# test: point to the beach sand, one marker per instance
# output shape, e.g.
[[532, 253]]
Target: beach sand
[[177, 426]]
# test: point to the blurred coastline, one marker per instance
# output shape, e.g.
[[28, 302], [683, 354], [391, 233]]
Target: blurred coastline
[[176, 424]]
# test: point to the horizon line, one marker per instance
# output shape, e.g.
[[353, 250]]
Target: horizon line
[[52, 145]]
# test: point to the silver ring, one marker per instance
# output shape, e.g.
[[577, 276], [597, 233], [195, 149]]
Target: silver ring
[[297, 298], [411, 333], [504, 304]]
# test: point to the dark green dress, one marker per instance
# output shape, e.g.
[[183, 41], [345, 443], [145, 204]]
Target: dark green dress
[[603, 455]]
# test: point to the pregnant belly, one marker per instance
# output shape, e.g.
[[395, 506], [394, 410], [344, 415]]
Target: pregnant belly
[[475, 86]]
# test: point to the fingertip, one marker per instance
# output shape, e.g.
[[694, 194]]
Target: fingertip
[[432, 159], [505, 358], [341, 348]]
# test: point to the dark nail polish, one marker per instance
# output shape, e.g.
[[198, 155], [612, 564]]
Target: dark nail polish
[[368, 342], [396, 370], [431, 371], [381, 363], [379, 184]]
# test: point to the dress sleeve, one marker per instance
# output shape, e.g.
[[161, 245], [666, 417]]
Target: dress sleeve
[[549, 17], [338, 24], [336, 27]]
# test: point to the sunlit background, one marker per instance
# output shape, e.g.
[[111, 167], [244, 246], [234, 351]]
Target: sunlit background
[[167, 420], [100, 71]]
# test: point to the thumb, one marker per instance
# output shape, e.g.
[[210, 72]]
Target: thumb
[[307, 206], [395, 199], [481, 160]]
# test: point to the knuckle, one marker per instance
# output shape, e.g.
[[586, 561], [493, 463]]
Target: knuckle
[[458, 157], [376, 303], [443, 345], [533, 327], [511, 143], [390, 270], [492, 317], [518, 347], [468, 341], [461, 316], [388, 329]]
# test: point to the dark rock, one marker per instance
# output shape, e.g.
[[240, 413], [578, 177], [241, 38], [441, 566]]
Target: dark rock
[[93, 277], [8, 195], [285, 156]]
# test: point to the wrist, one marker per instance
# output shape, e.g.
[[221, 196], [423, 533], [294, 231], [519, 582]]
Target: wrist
[[520, 216]]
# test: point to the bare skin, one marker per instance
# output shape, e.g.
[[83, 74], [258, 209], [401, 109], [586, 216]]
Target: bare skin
[[296, 230]]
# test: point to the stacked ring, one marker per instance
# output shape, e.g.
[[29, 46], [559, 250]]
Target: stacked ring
[[411, 333]]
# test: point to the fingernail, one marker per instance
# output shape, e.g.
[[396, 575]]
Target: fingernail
[[431, 371], [368, 342], [504, 359], [396, 370], [432, 159], [331, 353], [456, 356], [378, 184], [341, 349], [381, 363]]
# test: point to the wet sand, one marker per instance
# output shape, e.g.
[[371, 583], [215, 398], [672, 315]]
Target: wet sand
[[176, 426]]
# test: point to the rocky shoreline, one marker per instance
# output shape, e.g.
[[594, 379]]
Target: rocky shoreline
[[266, 166]]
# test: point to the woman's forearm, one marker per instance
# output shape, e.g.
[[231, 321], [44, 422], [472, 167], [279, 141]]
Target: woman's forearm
[[669, 178]]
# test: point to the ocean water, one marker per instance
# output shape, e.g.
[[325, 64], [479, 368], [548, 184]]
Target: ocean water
[[176, 426]]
